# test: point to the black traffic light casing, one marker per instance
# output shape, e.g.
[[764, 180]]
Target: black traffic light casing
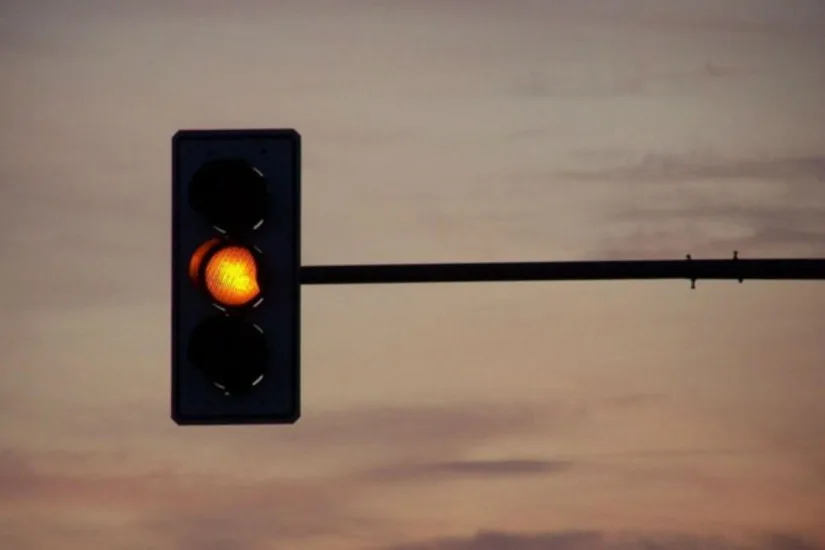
[[223, 183]]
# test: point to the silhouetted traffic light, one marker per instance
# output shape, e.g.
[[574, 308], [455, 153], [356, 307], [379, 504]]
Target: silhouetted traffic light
[[235, 276]]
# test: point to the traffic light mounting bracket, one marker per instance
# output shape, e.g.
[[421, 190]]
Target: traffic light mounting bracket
[[687, 269]]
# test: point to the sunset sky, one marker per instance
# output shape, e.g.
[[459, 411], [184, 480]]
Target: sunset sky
[[534, 416]]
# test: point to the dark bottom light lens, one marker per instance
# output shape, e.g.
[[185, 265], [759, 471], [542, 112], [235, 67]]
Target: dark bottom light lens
[[231, 352]]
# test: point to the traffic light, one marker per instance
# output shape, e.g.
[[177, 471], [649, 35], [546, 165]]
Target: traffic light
[[236, 257]]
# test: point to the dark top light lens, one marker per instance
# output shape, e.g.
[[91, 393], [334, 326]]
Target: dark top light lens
[[231, 352], [230, 193]]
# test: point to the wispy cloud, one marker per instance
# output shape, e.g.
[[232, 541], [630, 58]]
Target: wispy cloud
[[183, 510], [420, 429], [663, 168], [595, 540], [461, 469], [622, 81], [667, 202]]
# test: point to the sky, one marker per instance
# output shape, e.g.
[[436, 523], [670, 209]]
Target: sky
[[533, 416]]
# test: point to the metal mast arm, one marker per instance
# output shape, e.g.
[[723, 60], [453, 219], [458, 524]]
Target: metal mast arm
[[688, 269]]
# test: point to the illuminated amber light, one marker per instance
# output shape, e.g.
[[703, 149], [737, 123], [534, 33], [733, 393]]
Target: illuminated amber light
[[231, 276]]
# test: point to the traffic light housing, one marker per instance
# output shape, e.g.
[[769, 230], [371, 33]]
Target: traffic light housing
[[236, 258]]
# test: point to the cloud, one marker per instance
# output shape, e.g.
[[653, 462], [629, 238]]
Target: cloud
[[71, 497], [337, 443], [571, 540], [634, 80], [180, 509], [463, 469], [671, 202], [783, 541], [595, 540], [661, 168], [762, 17], [425, 433]]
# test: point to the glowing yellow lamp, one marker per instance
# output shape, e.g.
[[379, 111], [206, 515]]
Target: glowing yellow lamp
[[231, 273]]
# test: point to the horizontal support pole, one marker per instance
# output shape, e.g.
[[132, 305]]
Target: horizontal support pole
[[691, 270]]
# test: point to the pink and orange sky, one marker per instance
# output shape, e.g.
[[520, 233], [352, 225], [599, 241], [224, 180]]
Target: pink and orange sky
[[539, 416]]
